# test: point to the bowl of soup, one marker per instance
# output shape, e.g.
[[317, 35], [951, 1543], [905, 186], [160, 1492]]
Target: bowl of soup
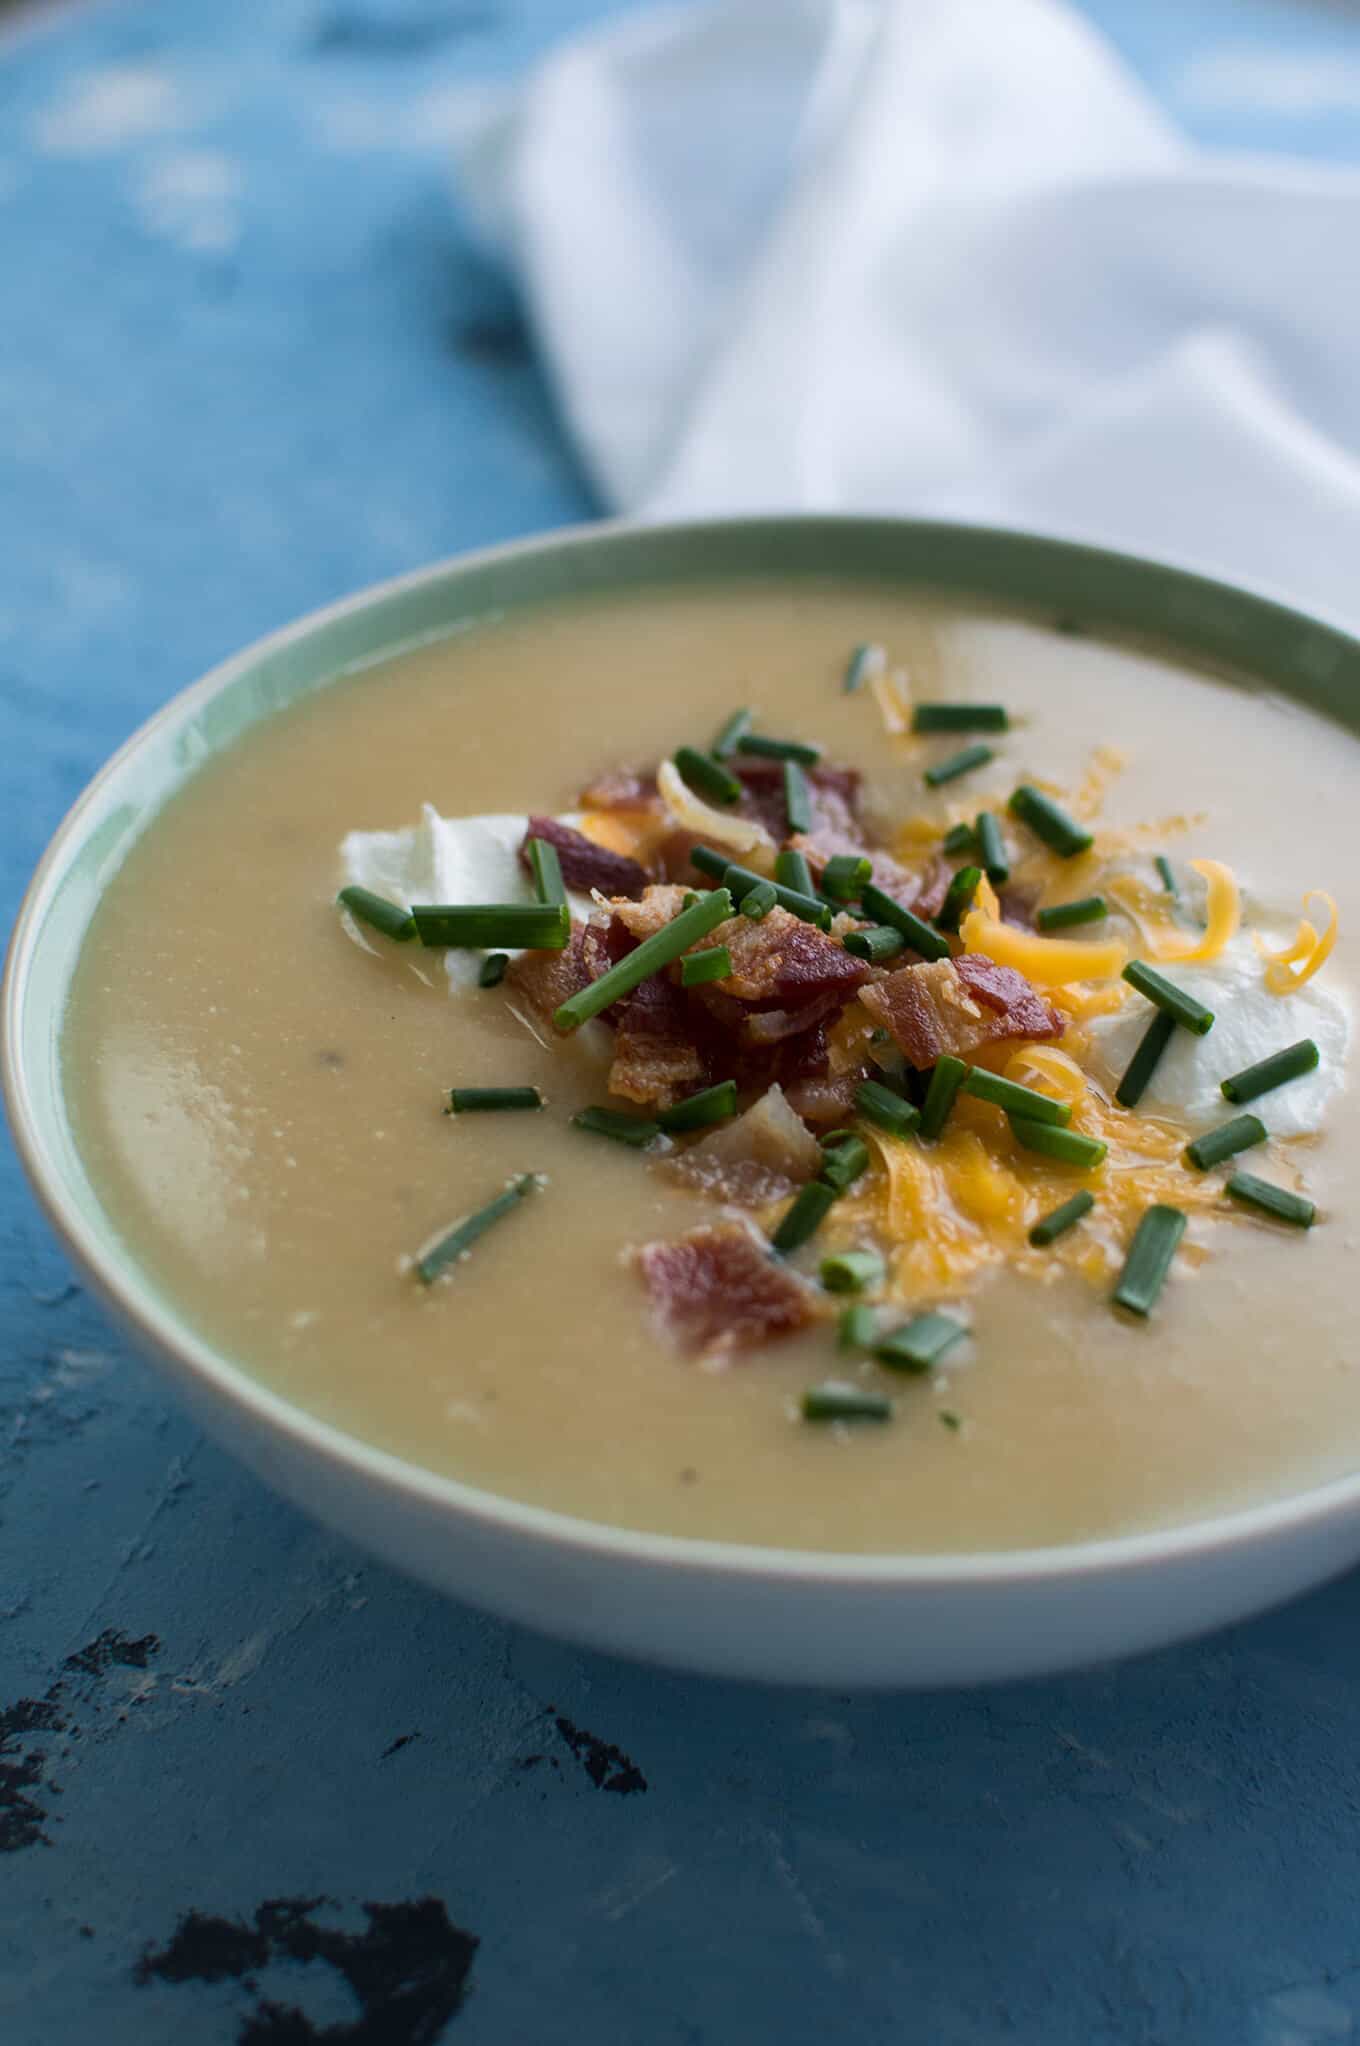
[[768, 1095]]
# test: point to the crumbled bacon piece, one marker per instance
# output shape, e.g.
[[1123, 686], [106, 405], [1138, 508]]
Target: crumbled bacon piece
[[759, 1157], [586, 865], [922, 891], [829, 1099], [624, 788], [938, 1008], [544, 980], [783, 961], [833, 791], [655, 1056], [719, 1289], [659, 906]]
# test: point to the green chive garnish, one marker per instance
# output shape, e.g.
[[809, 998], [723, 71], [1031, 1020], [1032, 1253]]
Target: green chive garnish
[[879, 1105], [546, 870], [857, 1328], [649, 957], [950, 1420], [726, 741], [1190, 1014], [380, 914], [714, 963], [797, 798], [959, 717], [1062, 914], [493, 967], [757, 902], [957, 764], [779, 749], [1225, 1142], [945, 1082], [1164, 868], [1289, 1064], [921, 1344], [850, 1271], [1272, 1200], [740, 880], [1062, 1219], [1065, 1147], [481, 1100], [844, 875], [535, 926], [624, 1129], [958, 898], [1149, 1259], [697, 1111], [1143, 1064], [844, 1160], [1049, 821], [791, 870], [806, 1216], [714, 864], [992, 848], [836, 1402], [878, 943], [921, 936], [460, 1239], [1015, 1099], [960, 838], [706, 776], [865, 661]]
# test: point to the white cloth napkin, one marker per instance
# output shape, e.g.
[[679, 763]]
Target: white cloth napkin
[[933, 256]]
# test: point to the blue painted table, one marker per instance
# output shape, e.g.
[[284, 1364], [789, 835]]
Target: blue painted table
[[252, 1787]]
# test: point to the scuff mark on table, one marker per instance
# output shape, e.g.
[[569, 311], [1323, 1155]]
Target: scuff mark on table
[[607, 1766]]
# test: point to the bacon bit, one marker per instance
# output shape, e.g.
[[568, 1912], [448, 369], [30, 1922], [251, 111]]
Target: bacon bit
[[660, 905], [772, 1026], [783, 961], [655, 1057], [834, 791], [626, 788], [757, 1159], [829, 1101], [932, 887], [887, 873], [544, 980], [934, 1009], [718, 1289], [586, 865], [1017, 906]]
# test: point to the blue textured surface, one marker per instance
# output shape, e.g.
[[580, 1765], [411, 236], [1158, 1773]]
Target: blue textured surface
[[246, 363]]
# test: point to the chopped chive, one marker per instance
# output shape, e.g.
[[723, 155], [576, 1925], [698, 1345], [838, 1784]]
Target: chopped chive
[[791, 870], [714, 864], [1084, 911], [958, 898], [844, 1161], [1143, 1064], [1289, 1064], [1225, 1142], [960, 838], [850, 1271], [945, 1082], [689, 898], [726, 741], [878, 943], [806, 1215], [921, 936], [546, 869], [888, 1111], [713, 963], [992, 848], [647, 958], [380, 914], [959, 717], [865, 661], [459, 1240], [921, 1344], [740, 879], [1190, 1014], [836, 1402], [1015, 1099], [797, 798], [492, 971], [1065, 1147], [857, 1328], [611, 1122], [697, 1111], [1272, 1200], [535, 926], [757, 902], [1164, 868], [1049, 821], [949, 1419], [845, 874], [1060, 1220], [779, 749], [474, 1100], [1149, 1259], [706, 776], [957, 764]]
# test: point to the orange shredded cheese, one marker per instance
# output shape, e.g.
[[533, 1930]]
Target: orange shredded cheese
[[1048, 962], [1164, 940], [739, 834], [893, 699], [1063, 1078], [1298, 961]]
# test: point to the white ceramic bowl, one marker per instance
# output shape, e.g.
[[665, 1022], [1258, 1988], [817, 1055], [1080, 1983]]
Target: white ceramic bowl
[[737, 1611]]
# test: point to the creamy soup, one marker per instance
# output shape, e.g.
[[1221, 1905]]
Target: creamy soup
[[259, 1083]]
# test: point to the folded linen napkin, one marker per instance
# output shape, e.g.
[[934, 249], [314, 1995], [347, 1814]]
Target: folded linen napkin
[[937, 256]]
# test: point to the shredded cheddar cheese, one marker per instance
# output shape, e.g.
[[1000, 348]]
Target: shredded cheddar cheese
[[1058, 1072], [739, 834], [1291, 967], [893, 699], [1048, 962], [1162, 938]]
